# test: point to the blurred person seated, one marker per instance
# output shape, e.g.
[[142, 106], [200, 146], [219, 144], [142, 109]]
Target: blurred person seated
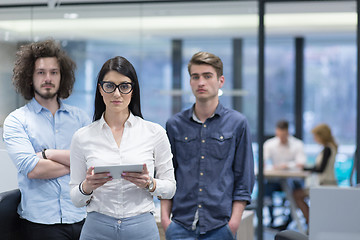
[[323, 170], [282, 152]]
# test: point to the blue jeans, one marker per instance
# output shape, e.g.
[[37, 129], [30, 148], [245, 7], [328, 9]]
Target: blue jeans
[[99, 226], [177, 232]]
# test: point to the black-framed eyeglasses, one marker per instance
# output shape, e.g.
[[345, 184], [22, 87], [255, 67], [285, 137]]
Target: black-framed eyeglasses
[[110, 87]]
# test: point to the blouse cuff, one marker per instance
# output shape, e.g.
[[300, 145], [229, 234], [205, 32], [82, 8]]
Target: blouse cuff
[[81, 190]]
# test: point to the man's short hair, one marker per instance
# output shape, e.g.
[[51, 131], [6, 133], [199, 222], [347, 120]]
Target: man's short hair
[[25, 65], [283, 125], [209, 59]]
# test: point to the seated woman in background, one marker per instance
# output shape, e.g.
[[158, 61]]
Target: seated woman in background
[[324, 165]]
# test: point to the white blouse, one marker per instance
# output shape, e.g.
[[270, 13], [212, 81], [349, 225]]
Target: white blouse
[[142, 142]]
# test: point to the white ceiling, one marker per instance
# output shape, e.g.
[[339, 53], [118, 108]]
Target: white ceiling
[[180, 19], [27, 2]]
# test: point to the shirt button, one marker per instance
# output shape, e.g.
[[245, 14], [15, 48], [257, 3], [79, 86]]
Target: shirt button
[[119, 221], [203, 141], [204, 125], [200, 189], [201, 174], [199, 206], [186, 138], [202, 157], [221, 137]]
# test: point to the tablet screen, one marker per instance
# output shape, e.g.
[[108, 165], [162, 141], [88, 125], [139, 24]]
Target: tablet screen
[[116, 171]]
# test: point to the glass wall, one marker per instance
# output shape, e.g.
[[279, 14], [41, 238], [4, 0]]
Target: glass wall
[[279, 83], [329, 73], [330, 87], [144, 34], [330, 97]]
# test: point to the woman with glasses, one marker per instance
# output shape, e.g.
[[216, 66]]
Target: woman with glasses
[[120, 208]]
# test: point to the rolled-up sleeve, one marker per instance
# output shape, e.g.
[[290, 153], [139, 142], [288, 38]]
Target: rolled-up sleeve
[[18, 144], [244, 165]]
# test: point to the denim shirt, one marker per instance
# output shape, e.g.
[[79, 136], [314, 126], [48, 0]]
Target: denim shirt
[[214, 166], [29, 130]]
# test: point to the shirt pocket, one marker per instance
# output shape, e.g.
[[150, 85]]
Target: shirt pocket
[[186, 147], [219, 144]]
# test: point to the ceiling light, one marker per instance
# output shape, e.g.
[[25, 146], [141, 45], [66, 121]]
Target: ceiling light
[[71, 15]]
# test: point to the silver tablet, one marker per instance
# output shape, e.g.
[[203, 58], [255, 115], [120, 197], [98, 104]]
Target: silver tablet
[[115, 171]]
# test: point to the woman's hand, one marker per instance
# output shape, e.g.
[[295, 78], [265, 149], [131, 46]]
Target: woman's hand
[[141, 180], [94, 180]]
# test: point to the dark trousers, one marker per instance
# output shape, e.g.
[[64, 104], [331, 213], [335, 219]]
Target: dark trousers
[[36, 231], [271, 187]]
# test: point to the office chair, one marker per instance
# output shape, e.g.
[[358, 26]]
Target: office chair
[[9, 218], [290, 235]]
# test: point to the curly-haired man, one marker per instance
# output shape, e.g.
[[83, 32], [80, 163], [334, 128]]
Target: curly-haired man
[[38, 137]]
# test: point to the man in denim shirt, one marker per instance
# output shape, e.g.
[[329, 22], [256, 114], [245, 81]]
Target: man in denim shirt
[[38, 136], [213, 161]]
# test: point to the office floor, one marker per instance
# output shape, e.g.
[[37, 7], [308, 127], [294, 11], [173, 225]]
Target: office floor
[[269, 234], [280, 213]]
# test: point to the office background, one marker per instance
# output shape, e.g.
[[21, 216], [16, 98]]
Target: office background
[[159, 37]]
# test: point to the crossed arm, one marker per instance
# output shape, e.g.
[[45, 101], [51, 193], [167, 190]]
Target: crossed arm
[[56, 165]]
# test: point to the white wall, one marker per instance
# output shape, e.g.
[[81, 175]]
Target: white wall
[[9, 100], [8, 172]]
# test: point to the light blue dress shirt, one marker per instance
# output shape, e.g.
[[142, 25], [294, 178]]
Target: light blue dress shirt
[[31, 129]]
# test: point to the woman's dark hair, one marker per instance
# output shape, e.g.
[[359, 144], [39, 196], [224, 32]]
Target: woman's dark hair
[[25, 65], [124, 67]]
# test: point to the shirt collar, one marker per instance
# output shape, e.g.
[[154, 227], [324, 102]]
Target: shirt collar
[[129, 122], [289, 140], [38, 108], [218, 111]]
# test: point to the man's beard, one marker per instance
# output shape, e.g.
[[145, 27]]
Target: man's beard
[[47, 95]]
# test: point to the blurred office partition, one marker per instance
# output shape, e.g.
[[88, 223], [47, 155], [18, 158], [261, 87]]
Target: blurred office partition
[[334, 213]]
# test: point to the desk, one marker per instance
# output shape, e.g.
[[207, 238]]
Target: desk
[[282, 176]]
